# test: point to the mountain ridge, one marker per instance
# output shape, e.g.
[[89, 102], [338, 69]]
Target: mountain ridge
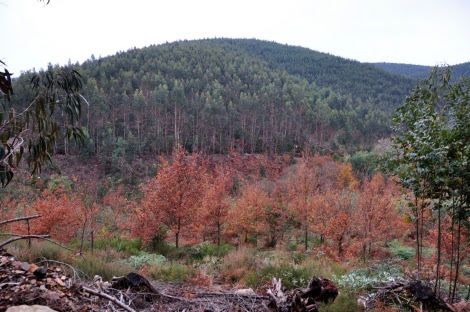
[[217, 95]]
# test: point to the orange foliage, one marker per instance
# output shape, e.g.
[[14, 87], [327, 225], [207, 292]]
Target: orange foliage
[[375, 217], [61, 215], [172, 198], [116, 212], [245, 217], [215, 205]]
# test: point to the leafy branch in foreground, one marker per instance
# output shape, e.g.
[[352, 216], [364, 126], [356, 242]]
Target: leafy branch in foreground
[[38, 125]]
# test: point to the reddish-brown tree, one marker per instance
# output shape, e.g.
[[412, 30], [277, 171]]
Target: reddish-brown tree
[[215, 204], [173, 197], [302, 185], [245, 218], [375, 217], [62, 215]]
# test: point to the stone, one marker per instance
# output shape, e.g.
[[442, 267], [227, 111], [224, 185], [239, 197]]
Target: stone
[[33, 308], [40, 272], [25, 266], [32, 267], [60, 282]]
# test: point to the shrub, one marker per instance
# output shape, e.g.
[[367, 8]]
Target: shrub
[[399, 250], [291, 276], [170, 272], [237, 263], [102, 264], [38, 250], [345, 302], [326, 269], [129, 246], [145, 259], [377, 274]]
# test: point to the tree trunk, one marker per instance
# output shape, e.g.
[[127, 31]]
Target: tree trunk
[[218, 233], [177, 234], [306, 239], [92, 241], [418, 258], [457, 264], [83, 236], [438, 271], [340, 246]]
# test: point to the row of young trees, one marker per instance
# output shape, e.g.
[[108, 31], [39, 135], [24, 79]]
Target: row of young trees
[[194, 199], [432, 161]]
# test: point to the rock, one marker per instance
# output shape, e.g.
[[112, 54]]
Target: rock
[[33, 308], [16, 264], [60, 282], [245, 291], [25, 266], [32, 267], [40, 272]]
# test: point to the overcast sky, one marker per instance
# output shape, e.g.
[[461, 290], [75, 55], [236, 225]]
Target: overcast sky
[[425, 32]]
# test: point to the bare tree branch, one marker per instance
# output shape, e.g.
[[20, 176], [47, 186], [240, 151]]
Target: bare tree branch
[[19, 219], [110, 298]]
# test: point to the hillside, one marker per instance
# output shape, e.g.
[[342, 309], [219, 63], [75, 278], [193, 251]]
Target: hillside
[[220, 94], [421, 72]]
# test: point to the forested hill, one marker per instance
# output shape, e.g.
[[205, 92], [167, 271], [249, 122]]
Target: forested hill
[[360, 80], [421, 72], [215, 95]]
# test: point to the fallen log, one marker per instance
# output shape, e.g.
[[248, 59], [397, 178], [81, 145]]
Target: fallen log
[[108, 297], [412, 294], [302, 299]]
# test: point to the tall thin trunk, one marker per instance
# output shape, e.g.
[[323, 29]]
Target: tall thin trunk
[[92, 241], [418, 258], [439, 234], [218, 233], [457, 264], [451, 248], [306, 239], [177, 234], [83, 235]]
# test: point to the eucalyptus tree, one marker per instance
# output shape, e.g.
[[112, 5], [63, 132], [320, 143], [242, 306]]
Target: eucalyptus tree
[[38, 124], [431, 157]]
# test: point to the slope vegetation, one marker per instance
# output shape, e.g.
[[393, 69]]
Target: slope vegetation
[[215, 95]]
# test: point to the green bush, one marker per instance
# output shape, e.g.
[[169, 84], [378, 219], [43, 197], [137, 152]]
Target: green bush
[[291, 276], [207, 249], [102, 265], [377, 274], [129, 246], [38, 250], [193, 253], [145, 259], [298, 257], [345, 302], [171, 272], [401, 251]]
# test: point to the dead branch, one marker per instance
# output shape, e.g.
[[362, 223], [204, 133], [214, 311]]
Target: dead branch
[[19, 219], [11, 240], [110, 298], [40, 236], [75, 271]]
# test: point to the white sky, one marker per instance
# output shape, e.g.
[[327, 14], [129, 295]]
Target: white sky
[[425, 32]]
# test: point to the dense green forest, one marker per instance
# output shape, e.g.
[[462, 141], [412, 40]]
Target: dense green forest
[[218, 95], [422, 72]]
